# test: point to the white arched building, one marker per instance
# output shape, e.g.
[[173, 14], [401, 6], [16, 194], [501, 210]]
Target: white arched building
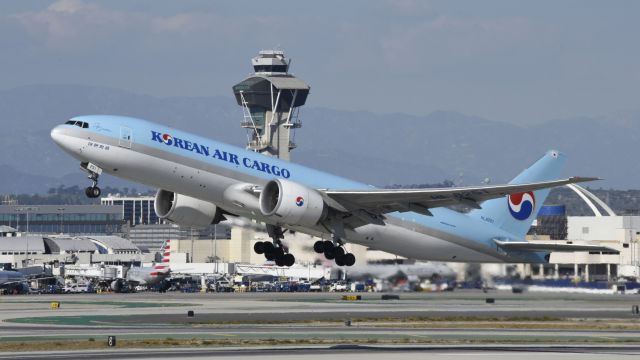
[[603, 228]]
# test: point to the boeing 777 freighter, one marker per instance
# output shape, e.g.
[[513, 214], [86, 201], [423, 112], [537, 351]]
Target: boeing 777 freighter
[[201, 181]]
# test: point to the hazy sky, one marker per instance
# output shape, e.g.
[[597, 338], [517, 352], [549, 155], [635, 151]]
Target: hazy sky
[[511, 61]]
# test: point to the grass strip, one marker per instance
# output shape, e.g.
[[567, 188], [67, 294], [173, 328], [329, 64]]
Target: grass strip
[[91, 343]]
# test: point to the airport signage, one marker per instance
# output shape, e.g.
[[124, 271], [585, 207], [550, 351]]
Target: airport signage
[[218, 154]]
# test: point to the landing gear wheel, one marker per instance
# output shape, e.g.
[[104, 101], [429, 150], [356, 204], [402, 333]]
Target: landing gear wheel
[[318, 246], [338, 252], [280, 261], [270, 252], [349, 259], [330, 254], [92, 192], [327, 245], [258, 247], [273, 253], [288, 259], [339, 260]]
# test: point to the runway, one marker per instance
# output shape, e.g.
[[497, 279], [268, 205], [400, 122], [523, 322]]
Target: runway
[[449, 325], [353, 352]]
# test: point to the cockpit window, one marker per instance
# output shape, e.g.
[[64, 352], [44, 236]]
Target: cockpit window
[[81, 124]]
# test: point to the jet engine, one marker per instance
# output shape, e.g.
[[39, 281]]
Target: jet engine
[[119, 286], [185, 210], [291, 203]]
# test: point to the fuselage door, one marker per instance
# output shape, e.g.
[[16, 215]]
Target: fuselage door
[[126, 137]]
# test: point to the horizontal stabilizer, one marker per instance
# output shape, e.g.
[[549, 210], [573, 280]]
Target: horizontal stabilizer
[[527, 246]]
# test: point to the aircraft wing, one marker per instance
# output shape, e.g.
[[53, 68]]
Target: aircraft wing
[[527, 246], [382, 201]]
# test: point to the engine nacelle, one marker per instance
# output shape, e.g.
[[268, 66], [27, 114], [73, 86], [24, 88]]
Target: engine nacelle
[[291, 203], [185, 210], [119, 285]]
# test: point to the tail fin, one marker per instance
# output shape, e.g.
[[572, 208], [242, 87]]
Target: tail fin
[[163, 266], [516, 213]]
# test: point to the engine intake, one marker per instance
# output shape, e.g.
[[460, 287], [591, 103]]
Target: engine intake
[[185, 210], [291, 203]]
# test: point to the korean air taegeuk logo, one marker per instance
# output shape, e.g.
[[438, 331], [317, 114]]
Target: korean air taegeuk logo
[[521, 205]]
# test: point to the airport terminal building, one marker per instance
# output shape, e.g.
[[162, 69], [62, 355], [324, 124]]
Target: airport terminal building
[[32, 250], [136, 210], [63, 219]]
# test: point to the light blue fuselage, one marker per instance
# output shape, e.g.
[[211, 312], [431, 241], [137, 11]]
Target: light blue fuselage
[[189, 164]]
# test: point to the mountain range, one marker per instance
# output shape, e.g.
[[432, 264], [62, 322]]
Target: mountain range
[[379, 149]]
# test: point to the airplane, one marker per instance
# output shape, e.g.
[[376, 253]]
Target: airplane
[[146, 275], [17, 281], [13, 281], [202, 181]]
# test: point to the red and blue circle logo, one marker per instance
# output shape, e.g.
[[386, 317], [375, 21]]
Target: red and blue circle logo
[[299, 201], [167, 139], [521, 205]]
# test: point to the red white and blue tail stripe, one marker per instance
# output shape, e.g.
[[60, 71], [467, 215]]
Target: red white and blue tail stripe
[[163, 267]]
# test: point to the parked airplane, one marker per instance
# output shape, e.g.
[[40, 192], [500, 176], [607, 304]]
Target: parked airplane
[[13, 281], [146, 276], [201, 181], [17, 281]]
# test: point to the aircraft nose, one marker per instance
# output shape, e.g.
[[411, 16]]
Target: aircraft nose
[[56, 135]]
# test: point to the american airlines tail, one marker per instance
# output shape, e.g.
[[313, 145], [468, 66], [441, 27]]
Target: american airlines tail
[[163, 267], [516, 213]]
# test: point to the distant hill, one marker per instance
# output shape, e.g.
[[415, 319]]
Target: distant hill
[[380, 149]]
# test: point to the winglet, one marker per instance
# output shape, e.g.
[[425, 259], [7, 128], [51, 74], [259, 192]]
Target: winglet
[[578, 179]]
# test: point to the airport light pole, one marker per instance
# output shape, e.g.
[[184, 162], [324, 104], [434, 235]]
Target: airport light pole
[[215, 245], [26, 210], [17, 219], [636, 248], [61, 214], [191, 236], [26, 256]]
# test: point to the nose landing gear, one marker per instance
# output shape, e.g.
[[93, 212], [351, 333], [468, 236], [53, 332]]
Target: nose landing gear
[[92, 192], [93, 172]]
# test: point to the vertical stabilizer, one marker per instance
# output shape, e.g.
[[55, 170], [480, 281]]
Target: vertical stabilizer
[[516, 212], [163, 267]]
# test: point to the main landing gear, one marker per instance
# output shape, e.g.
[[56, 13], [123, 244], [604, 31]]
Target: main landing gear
[[275, 251], [93, 172], [333, 250]]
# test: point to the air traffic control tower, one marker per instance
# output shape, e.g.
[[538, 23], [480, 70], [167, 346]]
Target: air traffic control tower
[[270, 100]]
